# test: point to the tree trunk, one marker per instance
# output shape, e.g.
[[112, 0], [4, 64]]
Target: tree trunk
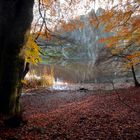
[[134, 76], [15, 19]]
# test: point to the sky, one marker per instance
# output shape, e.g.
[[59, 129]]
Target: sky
[[94, 5], [65, 12], [62, 1]]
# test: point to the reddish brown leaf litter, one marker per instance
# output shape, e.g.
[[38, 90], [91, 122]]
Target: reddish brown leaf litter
[[78, 115]]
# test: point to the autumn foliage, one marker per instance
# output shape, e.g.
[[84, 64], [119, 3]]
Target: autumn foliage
[[124, 23]]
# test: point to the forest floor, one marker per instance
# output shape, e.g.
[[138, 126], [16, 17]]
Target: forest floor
[[78, 115]]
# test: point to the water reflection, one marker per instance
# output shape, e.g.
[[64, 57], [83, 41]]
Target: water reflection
[[70, 71], [59, 85], [75, 74]]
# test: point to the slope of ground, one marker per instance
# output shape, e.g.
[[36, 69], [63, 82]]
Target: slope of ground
[[78, 115]]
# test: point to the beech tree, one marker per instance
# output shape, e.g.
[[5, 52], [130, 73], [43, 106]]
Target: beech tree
[[123, 21], [15, 23]]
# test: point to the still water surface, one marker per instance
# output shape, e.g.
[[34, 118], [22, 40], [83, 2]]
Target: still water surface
[[69, 75]]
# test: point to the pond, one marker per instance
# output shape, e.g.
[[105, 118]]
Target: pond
[[67, 75]]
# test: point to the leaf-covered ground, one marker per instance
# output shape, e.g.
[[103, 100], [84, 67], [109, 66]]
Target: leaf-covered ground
[[78, 115]]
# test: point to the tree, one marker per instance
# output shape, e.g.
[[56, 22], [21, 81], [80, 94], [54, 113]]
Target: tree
[[15, 20], [128, 62], [124, 23]]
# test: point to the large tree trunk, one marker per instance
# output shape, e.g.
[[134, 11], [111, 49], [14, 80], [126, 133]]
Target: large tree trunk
[[15, 19]]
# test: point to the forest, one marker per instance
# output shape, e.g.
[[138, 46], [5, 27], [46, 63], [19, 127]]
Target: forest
[[69, 69]]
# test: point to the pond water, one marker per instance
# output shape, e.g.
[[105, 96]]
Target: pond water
[[67, 75]]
